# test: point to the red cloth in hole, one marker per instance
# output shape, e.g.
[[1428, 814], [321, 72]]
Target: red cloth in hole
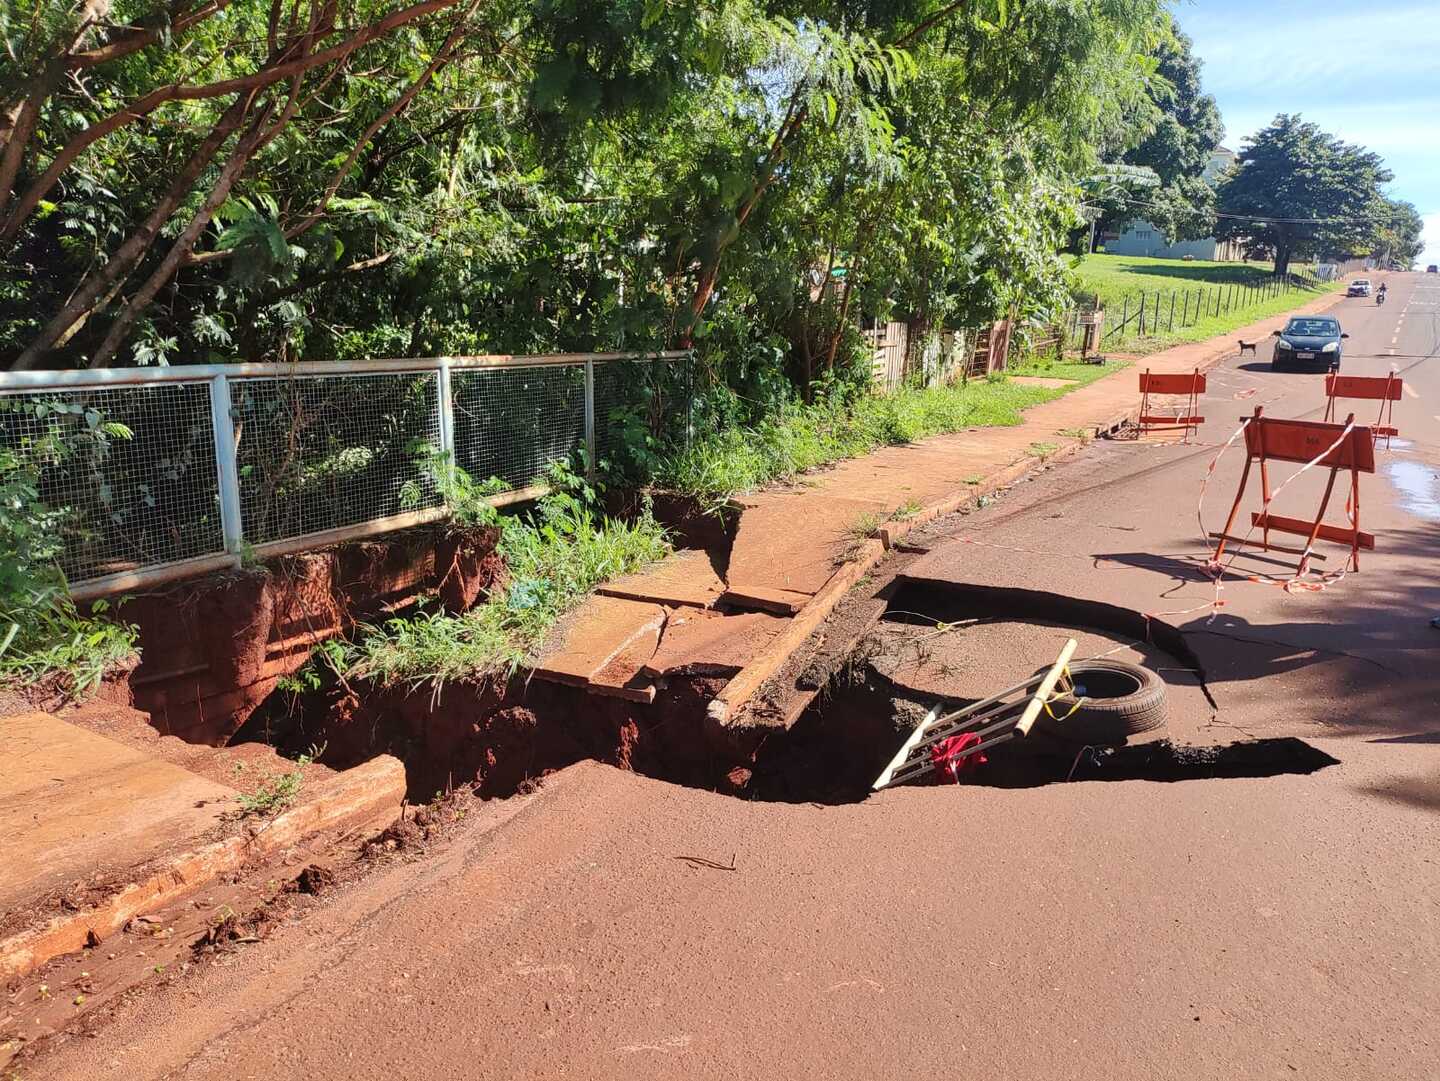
[[951, 757]]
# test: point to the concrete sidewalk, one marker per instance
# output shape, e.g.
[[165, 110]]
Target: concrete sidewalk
[[799, 548], [103, 819]]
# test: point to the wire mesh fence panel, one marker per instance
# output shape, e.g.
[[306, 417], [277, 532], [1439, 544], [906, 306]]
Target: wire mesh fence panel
[[634, 398], [321, 452], [128, 471], [512, 423]]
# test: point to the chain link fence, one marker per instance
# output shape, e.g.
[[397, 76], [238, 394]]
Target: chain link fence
[[156, 473]]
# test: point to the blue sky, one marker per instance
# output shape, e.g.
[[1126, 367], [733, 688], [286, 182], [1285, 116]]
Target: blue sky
[[1367, 72]]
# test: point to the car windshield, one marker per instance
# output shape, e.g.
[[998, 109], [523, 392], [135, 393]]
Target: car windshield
[[1313, 328], [1362, 281]]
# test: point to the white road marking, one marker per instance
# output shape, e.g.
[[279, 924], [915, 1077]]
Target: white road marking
[[1410, 390]]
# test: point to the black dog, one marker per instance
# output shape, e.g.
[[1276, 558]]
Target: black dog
[[1244, 345]]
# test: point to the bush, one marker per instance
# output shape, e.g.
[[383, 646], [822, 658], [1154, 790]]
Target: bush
[[554, 555], [42, 635]]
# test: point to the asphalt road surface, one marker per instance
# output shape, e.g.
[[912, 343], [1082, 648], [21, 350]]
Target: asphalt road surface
[[1262, 927]]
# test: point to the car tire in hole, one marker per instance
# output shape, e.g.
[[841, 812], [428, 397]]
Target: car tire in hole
[[1120, 700]]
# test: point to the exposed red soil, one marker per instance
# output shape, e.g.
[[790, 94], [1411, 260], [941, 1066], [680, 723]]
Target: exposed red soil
[[468, 566], [501, 736], [214, 648]]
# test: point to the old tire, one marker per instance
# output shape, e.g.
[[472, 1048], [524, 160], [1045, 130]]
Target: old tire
[[1120, 700]]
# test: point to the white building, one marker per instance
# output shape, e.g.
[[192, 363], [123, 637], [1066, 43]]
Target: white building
[[1142, 238]]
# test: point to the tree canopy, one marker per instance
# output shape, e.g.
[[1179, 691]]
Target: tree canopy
[[1300, 193], [1401, 238], [1171, 135], [217, 180]]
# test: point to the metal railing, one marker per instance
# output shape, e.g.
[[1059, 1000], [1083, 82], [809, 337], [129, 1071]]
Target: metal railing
[[160, 473]]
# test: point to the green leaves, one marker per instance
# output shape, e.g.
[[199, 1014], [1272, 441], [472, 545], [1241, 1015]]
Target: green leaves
[[1300, 192]]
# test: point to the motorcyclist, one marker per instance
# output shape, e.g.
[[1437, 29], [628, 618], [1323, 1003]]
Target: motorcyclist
[[1380, 295]]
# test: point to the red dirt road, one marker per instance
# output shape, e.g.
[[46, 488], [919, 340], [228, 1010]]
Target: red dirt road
[[1285, 927], [1248, 928]]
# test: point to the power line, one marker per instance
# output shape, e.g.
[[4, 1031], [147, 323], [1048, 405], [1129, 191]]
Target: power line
[[1258, 219]]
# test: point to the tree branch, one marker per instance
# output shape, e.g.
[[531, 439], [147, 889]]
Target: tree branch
[[148, 103], [260, 132], [86, 299]]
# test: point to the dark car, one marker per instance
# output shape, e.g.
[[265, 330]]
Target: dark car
[[1432, 269], [1309, 341]]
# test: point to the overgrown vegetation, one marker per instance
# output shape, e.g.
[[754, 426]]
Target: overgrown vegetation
[[800, 437], [44, 638], [554, 555], [264, 179]]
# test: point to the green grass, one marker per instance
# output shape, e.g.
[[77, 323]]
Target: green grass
[[1120, 280], [1113, 277], [1082, 373], [554, 556], [51, 642], [806, 436]]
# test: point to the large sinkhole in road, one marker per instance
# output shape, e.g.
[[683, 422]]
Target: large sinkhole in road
[[952, 645], [936, 643]]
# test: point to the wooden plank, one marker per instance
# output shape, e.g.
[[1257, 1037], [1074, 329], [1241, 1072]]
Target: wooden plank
[[1301, 527], [785, 602], [1375, 388], [1302, 441], [1172, 422], [1189, 383], [1272, 546]]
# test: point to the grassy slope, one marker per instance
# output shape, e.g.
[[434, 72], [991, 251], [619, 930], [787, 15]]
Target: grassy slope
[[1114, 278]]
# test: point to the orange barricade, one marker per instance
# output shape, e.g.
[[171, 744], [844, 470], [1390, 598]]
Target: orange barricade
[[1385, 390], [1191, 386], [1306, 443]]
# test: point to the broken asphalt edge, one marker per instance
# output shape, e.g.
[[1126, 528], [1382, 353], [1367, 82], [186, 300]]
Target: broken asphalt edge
[[368, 796], [728, 709]]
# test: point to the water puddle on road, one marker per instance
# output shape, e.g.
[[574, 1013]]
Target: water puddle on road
[[1418, 485]]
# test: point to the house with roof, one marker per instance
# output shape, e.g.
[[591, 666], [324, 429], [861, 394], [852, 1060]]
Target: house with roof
[[1142, 238]]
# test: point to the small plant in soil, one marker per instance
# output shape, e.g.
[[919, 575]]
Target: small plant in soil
[[906, 510], [554, 555], [277, 791], [1043, 450], [865, 526], [469, 501]]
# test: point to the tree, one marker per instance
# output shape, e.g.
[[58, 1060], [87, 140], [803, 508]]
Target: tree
[[225, 78], [1298, 192], [555, 175], [1172, 134], [1401, 237]]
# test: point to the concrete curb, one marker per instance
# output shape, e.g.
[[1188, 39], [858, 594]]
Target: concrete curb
[[367, 796]]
